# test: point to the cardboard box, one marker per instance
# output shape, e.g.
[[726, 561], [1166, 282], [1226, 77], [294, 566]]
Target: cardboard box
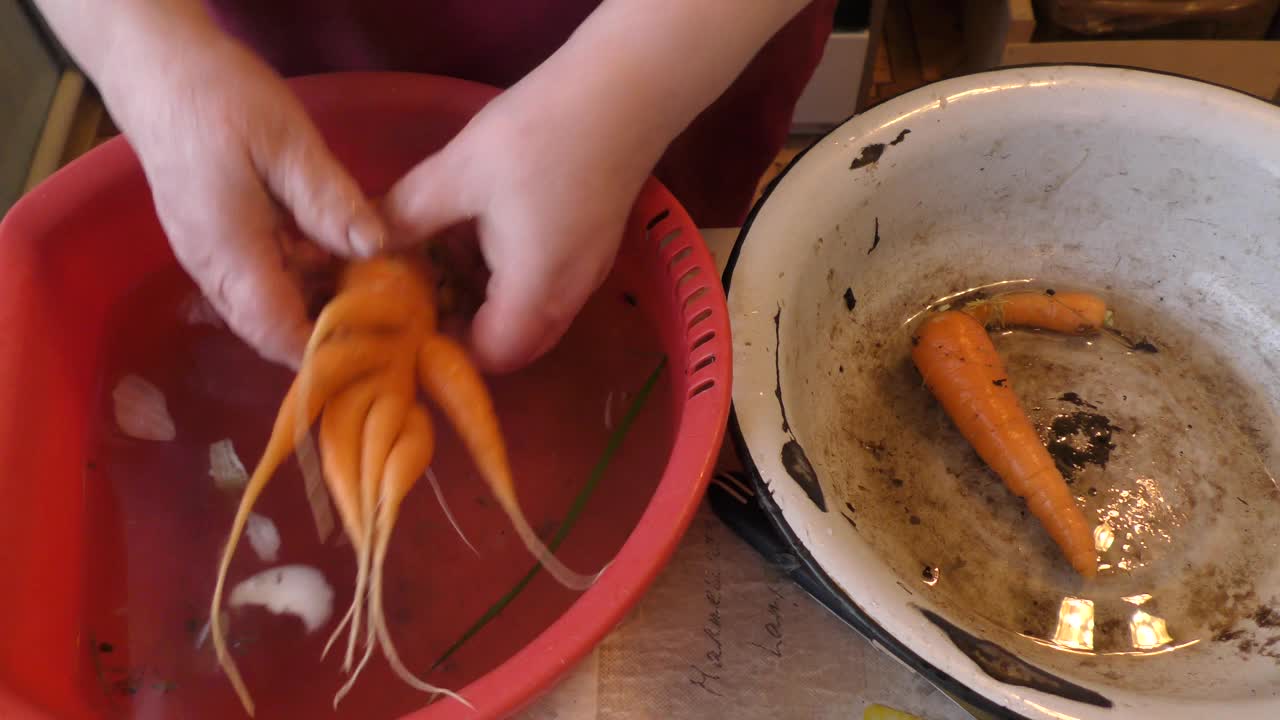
[[1000, 33]]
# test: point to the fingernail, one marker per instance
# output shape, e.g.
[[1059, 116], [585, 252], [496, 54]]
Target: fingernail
[[366, 235]]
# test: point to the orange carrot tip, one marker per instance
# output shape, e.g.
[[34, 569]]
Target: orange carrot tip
[[1071, 313], [962, 369]]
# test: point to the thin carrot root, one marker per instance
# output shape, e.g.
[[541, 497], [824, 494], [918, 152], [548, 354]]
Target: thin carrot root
[[451, 381], [407, 462], [351, 680], [340, 429], [964, 372], [381, 428], [448, 514], [379, 624], [1071, 313], [337, 631]]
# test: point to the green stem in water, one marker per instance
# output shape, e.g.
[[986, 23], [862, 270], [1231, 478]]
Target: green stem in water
[[579, 502]]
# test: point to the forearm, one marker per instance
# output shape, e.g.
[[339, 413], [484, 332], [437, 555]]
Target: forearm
[[651, 66], [116, 41]]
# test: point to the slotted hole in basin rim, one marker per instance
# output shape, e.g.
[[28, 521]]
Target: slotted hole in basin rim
[[684, 268], [669, 238], [680, 257], [703, 339], [702, 363], [653, 221], [689, 276], [702, 387], [694, 297], [700, 317]]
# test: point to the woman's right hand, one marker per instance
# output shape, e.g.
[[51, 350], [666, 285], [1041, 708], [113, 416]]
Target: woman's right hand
[[234, 162]]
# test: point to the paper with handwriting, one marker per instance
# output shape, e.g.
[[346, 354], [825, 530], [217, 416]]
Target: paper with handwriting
[[722, 634]]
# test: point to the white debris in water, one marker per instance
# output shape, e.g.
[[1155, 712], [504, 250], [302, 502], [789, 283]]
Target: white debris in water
[[141, 411], [263, 536], [298, 590], [225, 468]]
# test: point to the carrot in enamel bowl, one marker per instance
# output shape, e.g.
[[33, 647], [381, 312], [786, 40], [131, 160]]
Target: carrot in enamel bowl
[[964, 372], [1071, 313]]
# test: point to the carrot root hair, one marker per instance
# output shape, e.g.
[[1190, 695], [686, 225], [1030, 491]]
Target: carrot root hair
[[546, 558], [407, 461], [435, 487], [378, 623], [453, 383], [351, 609], [364, 660]]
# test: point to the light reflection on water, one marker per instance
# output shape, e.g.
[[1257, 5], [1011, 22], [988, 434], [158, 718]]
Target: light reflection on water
[[1075, 624], [1148, 634]]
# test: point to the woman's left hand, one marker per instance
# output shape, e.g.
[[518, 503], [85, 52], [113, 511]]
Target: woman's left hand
[[549, 194], [550, 169]]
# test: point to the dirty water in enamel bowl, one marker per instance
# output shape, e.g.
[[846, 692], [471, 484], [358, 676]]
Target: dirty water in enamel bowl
[[1159, 194]]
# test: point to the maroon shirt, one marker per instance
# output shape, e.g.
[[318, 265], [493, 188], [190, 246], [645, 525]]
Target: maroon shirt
[[713, 167]]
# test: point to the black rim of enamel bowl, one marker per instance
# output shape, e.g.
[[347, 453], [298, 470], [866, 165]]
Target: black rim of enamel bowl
[[838, 601]]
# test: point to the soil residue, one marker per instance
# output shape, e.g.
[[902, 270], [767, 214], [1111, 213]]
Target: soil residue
[[1080, 438], [869, 156]]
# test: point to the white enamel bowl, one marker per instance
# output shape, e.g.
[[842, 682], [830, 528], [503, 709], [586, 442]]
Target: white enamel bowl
[[1160, 193]]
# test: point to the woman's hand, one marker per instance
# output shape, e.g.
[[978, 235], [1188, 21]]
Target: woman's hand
[[233, 163], [549, 198], [232, 159]]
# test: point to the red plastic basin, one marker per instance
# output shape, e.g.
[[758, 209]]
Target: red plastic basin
[[108, 544]]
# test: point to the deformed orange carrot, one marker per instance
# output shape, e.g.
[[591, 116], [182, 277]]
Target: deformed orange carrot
[[1073, 313], [373, 347], [964, 372]]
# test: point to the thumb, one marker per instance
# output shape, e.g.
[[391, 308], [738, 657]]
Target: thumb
[[426, 201], [261, 303], [325, 202], [525, 313]]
